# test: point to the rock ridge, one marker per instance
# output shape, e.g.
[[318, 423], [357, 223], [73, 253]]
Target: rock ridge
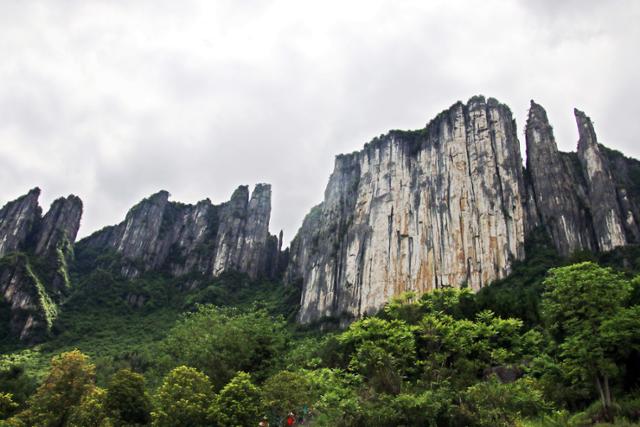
[[451, 205], [203, 238]]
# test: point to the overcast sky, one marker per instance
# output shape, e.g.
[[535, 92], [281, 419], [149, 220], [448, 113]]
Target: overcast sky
[[115, 100]]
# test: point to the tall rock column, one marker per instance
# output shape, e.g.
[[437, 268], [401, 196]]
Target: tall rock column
[[17, 221], [559, 199], [607, 219], [27, 240], [420, 210]]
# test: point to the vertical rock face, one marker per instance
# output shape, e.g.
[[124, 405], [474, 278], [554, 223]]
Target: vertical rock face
[[60, 223], [558, 194], [17, 222], [607, 219], [450, 205], [417, 211], [581, 198], [205, 238], [26, 236]]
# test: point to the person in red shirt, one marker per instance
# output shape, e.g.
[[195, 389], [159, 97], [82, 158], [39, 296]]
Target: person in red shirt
[[291, 419]]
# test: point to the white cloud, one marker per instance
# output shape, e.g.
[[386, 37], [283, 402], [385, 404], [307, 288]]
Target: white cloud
[[114, 100]]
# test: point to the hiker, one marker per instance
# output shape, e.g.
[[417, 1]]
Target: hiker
[[291, 419]]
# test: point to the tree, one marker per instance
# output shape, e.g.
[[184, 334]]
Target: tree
[[459, 349], [238, 403], [381, 351], [492, 403], [126, 398], [221, 342], [577, 301], [71, 377], [285, 392], [7, 405], [91, 412], [183, 399]]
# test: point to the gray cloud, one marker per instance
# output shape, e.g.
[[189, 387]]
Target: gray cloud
[[115, 100]]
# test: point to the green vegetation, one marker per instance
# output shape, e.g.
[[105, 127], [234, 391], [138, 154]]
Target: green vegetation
[[557, 343]]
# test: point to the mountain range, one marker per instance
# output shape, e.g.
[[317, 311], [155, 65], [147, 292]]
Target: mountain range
[[449, 205]]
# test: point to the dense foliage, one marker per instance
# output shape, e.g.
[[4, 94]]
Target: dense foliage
[[557, 343]]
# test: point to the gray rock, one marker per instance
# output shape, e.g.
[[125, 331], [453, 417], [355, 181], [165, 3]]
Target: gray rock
[[560, 199], [204, 238], [605, 209], [26, 236], [17, 221], [442, 206], [59, 225], [450, 205]]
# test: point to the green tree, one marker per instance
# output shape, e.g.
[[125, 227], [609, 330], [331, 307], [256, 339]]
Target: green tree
[[126, 400], [577, 301], [221, 342], [183, 399], [91, 412], [7, 405], [238, 403], [459, 350], [382, 351], [286, 392], [71, 377], [493, 404]]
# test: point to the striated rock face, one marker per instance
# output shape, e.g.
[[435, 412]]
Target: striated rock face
[[560, 198], [581, 198], [605, 210], [416, 211], [18, 219], [204, 238], [450, 205], [32, 294]]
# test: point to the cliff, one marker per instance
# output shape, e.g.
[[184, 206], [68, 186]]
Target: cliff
[[34, 252], [159, 235], [451, 205]]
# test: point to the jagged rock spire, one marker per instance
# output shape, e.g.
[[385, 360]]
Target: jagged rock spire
[[605, 210], [559, 201]]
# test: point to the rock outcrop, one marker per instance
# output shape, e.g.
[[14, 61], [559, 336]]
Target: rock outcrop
[[451, 205], [442, 206], [557, 186], [159, 235], [29, 240], [582, 198]]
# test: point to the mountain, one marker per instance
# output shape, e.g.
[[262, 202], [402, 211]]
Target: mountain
[[158, 235], [450, 205], [34, 252]]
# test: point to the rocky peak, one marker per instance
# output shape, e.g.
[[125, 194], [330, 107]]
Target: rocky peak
[[559, 199], [59, 225], [181, 239], [449, 205], [33, 294], [605, 209], [17, 221], [415, 210]]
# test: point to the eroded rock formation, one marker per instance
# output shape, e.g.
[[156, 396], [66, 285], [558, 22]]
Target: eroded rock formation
[[451, 205], [28, 240], [205, 238]]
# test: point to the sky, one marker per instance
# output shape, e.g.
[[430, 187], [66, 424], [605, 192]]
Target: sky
[[115, 100]]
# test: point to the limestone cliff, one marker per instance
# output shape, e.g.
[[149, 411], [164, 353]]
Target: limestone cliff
[[159, 235], [34, 252], [442, 206], [451, 205], [582, 198]]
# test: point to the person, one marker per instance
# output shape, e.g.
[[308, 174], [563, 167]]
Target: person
[[291, 419], [264, 422]]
